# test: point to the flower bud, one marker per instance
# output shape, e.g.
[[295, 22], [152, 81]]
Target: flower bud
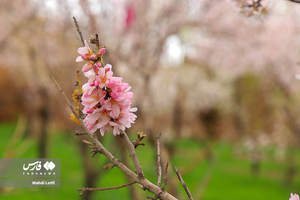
[[96, 83], [87, 67], [96, 68], [98, 63], [85, 57], [91, 110], [93, 57], [101, 52]]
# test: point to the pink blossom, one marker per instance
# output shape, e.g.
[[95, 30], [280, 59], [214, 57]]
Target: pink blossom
[[85, 52], [294, 196], [106, 99], [104, 77], [98, 119], [91, 96]]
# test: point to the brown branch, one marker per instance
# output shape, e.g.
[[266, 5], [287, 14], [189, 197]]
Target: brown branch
[[295, 1], [137, 142], [78, 30], [183, 183], [87, 142], [158, 170], [95, 41], [153, 198], [102, 189], [77, 133], [66, 98], [109, 166], [133, 155], [165, 177]]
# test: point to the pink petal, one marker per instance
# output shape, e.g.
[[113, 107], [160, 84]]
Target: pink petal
[[79, 59], [92, 118], [115, 110], [87, 67]]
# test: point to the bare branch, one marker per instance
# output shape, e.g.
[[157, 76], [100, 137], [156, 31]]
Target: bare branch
[[102, 189], [137, 142], [133, 156], [158, 170], [66, 98], [165, 177], [87, 142], [183, 183], [295, 1], [109, 166], [77, 133], [78, 30]]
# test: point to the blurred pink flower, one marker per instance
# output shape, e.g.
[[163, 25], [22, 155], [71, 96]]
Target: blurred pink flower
[[294, 197]]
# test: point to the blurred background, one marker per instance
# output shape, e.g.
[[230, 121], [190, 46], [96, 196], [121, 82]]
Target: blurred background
[[220, 89]]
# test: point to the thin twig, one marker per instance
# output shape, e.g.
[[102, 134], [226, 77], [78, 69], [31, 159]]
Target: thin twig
[[66, 98], [78, 30], [295, 1], [183, 183], [137, 142], [165, 177], [102, 189], [133, 155], [109, 166], [158, 170], [87, 142], [77, 133], [97, 41]]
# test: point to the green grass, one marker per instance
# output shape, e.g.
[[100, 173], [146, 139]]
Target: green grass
[[226, 176]]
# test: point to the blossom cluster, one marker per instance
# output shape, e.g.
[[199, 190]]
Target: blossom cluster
[[253, 9], [106, 99]]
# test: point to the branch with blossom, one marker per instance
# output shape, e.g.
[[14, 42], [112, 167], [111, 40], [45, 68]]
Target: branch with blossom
[[105, 104]]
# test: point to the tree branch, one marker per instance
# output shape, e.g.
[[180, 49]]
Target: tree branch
[[137, 142], [295, 1], [165, 177], [66, 98], [78, 30], [102, 189], [132, 153], [183, 183], [158, 169]]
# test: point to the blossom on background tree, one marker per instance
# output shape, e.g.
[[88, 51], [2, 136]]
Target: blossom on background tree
[[106, 99], [257, 9]]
